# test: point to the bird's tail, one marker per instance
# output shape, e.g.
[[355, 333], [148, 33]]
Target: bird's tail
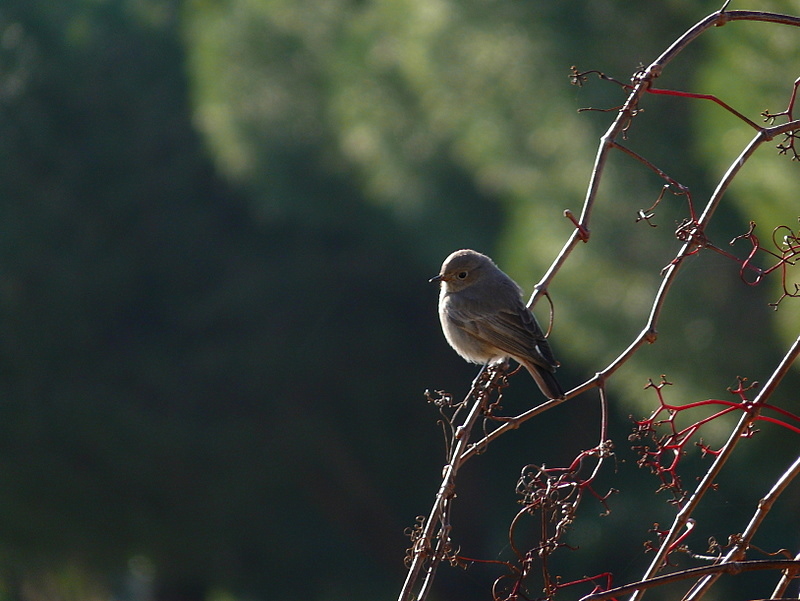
[[546, 380]]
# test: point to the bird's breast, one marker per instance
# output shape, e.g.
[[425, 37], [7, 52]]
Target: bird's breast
[[471, 348]]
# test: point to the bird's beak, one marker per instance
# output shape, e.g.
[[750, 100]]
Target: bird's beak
[[437, 278]]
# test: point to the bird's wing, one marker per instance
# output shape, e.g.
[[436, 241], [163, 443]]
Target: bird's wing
[[515, 332]]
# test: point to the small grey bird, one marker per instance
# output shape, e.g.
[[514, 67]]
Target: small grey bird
[[485, 320]]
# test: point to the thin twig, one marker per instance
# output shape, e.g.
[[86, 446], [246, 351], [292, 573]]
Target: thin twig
[[739, 549], [786, 578], [423, 546], [710, 476], [735, 567]]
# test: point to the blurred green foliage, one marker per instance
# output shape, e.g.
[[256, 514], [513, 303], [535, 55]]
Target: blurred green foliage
[[216, 224]]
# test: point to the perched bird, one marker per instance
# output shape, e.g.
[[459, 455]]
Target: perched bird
[[485, 320]]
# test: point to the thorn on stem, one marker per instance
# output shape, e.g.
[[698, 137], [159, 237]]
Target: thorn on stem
[[583, 231]]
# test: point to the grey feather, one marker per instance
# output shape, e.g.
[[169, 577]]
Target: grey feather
[[485, 320]]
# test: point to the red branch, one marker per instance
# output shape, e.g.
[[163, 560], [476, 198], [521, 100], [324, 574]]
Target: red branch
[[662, 453]]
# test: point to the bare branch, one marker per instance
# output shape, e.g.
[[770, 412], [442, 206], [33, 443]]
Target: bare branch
[[555, 493], [739, 549], [736, 435], [736, 567]]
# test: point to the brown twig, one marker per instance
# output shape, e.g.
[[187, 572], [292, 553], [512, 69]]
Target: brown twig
[[423, 549], [739, 549], [786, 578], [736, 567], [710, 476]]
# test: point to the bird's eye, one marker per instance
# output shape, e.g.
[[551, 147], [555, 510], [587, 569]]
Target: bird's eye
[[462, 275]]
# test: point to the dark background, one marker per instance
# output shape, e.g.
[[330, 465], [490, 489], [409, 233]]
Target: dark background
[[217, 224]]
